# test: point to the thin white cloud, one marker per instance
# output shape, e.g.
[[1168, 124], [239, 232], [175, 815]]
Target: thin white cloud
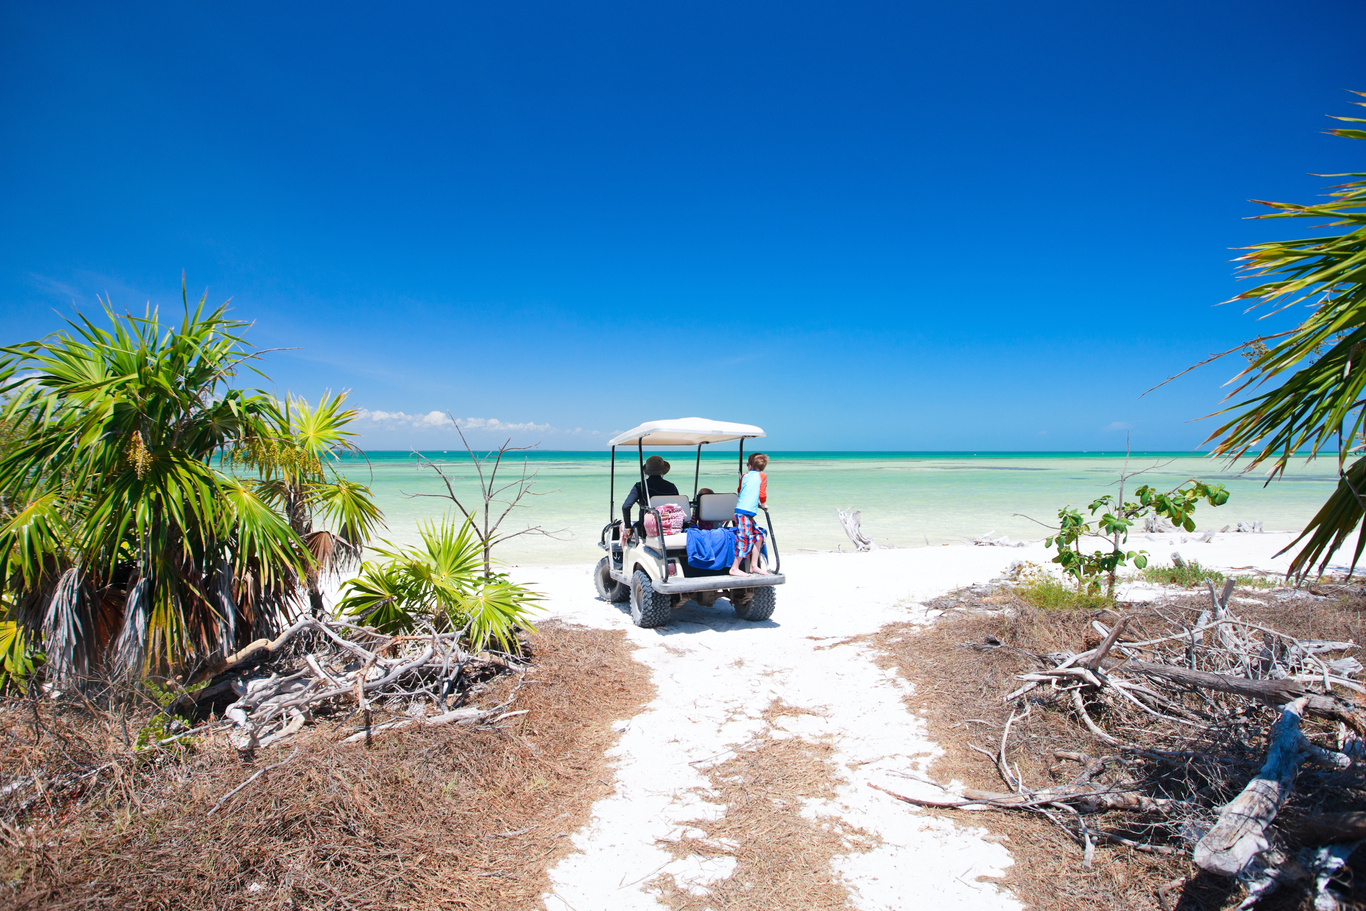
[[395, 420], [53, 287], [379, 420], [1119, 425], [496, 425]]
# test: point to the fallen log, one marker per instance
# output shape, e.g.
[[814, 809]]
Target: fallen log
[[469, 713], [1089, 799], [1336, 708], [1326, 828], [1271, 692], [1239, 834]]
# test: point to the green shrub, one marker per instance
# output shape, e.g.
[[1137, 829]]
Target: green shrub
[[18, 659], [441, 585], [1047, 593], [1192, 575], [1261, 582], [1117, 517], [164, 723], [1186, 575]]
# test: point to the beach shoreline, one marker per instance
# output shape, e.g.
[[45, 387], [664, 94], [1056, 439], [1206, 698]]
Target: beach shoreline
[[906, 499]]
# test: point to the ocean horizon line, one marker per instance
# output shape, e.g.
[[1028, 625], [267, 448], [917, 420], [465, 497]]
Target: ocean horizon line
[[717, 452]]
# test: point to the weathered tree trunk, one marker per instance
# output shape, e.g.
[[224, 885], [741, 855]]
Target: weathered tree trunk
[[1272, 692], [850, 520], [1326, 828], [1239, 835]]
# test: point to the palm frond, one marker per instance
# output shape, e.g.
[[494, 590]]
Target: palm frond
[[1333, 524], [129, 655], [68, 629], [380, 596], [1305, 394], [349, 507], [494, 612]]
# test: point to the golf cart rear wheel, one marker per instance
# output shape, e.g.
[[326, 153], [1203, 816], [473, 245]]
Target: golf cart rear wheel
[[759, 606], [609, 589], [649, 608]]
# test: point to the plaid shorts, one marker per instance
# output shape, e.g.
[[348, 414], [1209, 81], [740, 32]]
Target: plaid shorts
[[746, 534]]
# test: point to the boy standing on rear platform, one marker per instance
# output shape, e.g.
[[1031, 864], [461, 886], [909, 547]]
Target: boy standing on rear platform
[[753, 494]]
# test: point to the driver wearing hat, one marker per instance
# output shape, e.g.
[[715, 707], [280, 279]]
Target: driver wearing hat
[[655, 485]]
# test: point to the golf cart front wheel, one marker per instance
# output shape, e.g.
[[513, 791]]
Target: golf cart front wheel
[[758, 606], [649, 608], [609, 589]]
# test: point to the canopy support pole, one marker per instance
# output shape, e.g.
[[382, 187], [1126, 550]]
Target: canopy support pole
[[644, 491], [697, 471]]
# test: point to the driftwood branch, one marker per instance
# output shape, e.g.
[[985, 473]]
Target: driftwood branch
[[229, 796], [354, 666], [851, 522], [1271, 692], [1197, 680], [1239, 835]]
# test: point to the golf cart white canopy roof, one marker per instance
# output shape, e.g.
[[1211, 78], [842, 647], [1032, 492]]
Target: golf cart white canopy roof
[[685, 432]]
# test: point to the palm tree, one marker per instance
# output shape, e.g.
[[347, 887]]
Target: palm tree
[[1318, 404], [124, 546], [297, 463]]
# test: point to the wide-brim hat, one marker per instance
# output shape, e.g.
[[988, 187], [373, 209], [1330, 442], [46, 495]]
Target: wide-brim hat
[[656, 465]]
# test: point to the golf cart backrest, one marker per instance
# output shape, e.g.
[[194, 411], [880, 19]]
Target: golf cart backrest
[[716, 507], [677, 499]]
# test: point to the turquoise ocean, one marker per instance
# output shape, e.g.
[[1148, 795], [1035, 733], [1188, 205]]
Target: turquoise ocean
[[908, 499]]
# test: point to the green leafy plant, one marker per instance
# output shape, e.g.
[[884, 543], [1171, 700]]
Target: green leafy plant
[[441, 584], [17, 660], [164, 721], [1049, 593], [1117, 516]]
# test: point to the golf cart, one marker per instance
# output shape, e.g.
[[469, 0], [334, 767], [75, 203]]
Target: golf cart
[[649, 566]]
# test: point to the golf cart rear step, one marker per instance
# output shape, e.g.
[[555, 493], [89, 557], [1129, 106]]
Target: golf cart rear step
[[708, 583]]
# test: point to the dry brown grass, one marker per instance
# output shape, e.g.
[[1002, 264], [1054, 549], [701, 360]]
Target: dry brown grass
[[782, 858], [959, 692], [434, 818]]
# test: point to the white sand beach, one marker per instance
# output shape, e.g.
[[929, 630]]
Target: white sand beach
[[717, 675]]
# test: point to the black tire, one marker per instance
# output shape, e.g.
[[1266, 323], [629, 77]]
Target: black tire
[[609, 589], [759, 607], [649, 608]]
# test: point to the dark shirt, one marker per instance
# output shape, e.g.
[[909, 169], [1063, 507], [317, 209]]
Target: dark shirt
[[655, 484]]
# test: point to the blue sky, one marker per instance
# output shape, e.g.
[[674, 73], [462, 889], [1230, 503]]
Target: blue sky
[[978, 225]]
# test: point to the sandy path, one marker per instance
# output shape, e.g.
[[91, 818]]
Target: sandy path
[[716, 675]]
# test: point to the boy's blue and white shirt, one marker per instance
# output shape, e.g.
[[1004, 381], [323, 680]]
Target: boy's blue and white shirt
[[748, 503]]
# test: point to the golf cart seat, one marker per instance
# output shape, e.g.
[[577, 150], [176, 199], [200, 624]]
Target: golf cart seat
[[716, 507], [679, 539], [676, 499]]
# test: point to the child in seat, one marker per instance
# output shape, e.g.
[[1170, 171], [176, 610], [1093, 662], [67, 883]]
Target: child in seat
[[697, 521]]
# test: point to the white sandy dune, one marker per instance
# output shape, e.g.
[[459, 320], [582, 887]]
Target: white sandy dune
[[716, 675]]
